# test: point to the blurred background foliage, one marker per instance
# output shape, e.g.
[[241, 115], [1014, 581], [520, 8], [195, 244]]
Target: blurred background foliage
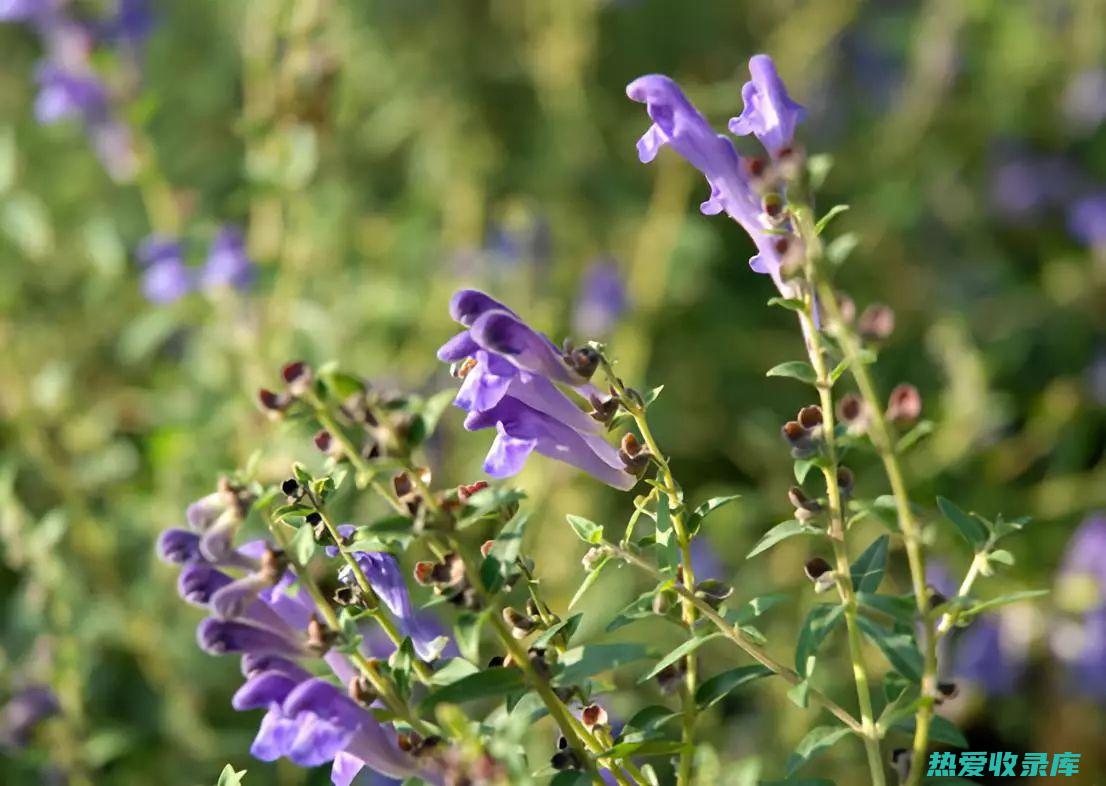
[[380, 154]]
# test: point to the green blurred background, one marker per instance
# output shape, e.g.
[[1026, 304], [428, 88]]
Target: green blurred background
[[381, 154]]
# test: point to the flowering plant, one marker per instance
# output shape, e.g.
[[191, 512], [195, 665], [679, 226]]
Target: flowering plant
[[420, 643]]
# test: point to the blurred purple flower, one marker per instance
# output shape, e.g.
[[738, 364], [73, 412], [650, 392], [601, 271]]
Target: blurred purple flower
[[1023, 186], [66, 95], [704, 560], [519, 240], [1088, 666], [227, 264], [678, 124], [1087, 220], [23, 711], [984, 656], [1086, 552], [510, 374], [24, 10], [1084, 101], [166, 277], [130, 24], [769, 112], [601, 301]]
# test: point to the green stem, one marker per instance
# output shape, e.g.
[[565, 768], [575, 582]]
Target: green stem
[[734, 634], [911, 532], [949, 619], [398, 707], [687, 611]]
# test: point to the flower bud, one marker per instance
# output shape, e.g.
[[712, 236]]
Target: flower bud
[[464, 492], [810, 417], [772, 206], [273, 564], [298, 376], [593, 715], [904, 405], [319, 637], [324, 441], [634, 455], [819, 571], [486, 548], [671, 676], [603, 410], [584, 361], [805, 508], [946, 691], [847, 308], [361, 690], [877, 322], [802, 446], [273, 403], [593, 557], [845, 481], [565, 760], [519, 623]]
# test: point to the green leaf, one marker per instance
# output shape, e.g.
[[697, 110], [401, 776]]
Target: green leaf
[[646, 723], [301, 474], [467, 628], [585, 585], [721, 685], [794, 369], [426, 421], [588, 531], [817, 740], [940, 730], [823, 222], [898, 648], [1002, 600], [708, 507], [571, 778], [819, 622], [800, 694], [792, 304], [818, 167], [782, 531], [567, 626], [969, 526], [230, 777], [798, 782], [1004, 527], [639, 608], [645, 748], [908, 440], [1002, 557], [680, 652], [579, 663], [841, 247], [751, 609], [903, 706], [451, 671], [867, 571], [901, 608], [483, 684], [500, 564], [303, 544]]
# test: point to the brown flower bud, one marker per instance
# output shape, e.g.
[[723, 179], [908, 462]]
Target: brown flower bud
[[273, 564], [946, 691], [319, 637], [298, 376], [603, 410], [845, 480], [815, 568], [904, 405], [361, 690], [584, 361], [486, 548], [593, 715], [850, 409], [272, 403], [810, 417], [464, 492], [877, 322]]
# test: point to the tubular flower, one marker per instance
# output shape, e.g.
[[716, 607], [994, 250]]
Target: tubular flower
[[254, 615], [769, 112], [511, 375], [166, 278], [227, 264], [735, 188]]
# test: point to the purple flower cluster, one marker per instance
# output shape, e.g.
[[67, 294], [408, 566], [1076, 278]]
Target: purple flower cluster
[[24, 711], [512, 382], [256, 615], [167, 278], [69, 88], [738, 186]]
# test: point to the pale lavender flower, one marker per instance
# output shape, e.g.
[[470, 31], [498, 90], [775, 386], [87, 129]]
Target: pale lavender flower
[[228, 264], [166, 277], [24, 10], [1025, 186], [1084, 101], [769, 112], [23, 712], [601, 301], [1087, 220], [1086, 552], [678, 124], [67, 95], [130, 24]]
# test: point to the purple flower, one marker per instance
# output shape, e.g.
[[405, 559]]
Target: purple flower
[[510, 376], [704, 560], [166, 277], [386, 578], [227, 265], [24, 10], [130, 24], [769, 112], [178, 546], [1023, 186], [1087, 220], [678, 124], [1088, 666], [67, 95], [25, 710], [1086, 552], [987, 657], [601, 302]]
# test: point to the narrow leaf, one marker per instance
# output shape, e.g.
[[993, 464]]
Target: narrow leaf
[[898, 648], [484, 684], [819, 622], [682, 651], [794, 369], [721, 685], [782, 531], [867, 571], [587, 531], [969, 527], [817, 740]]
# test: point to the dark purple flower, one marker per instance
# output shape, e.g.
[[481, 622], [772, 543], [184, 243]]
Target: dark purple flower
[[199, 581], [130, 24], [601, 301], [1087, 220], [769, 112], [227, 264], [704, 560], [509, 375], [219, 637], [178, 546], [166, 277], [987, 657], [678, 124], [25, 710]]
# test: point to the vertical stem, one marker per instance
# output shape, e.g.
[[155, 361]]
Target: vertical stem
[[817, 352], [884, 445]]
